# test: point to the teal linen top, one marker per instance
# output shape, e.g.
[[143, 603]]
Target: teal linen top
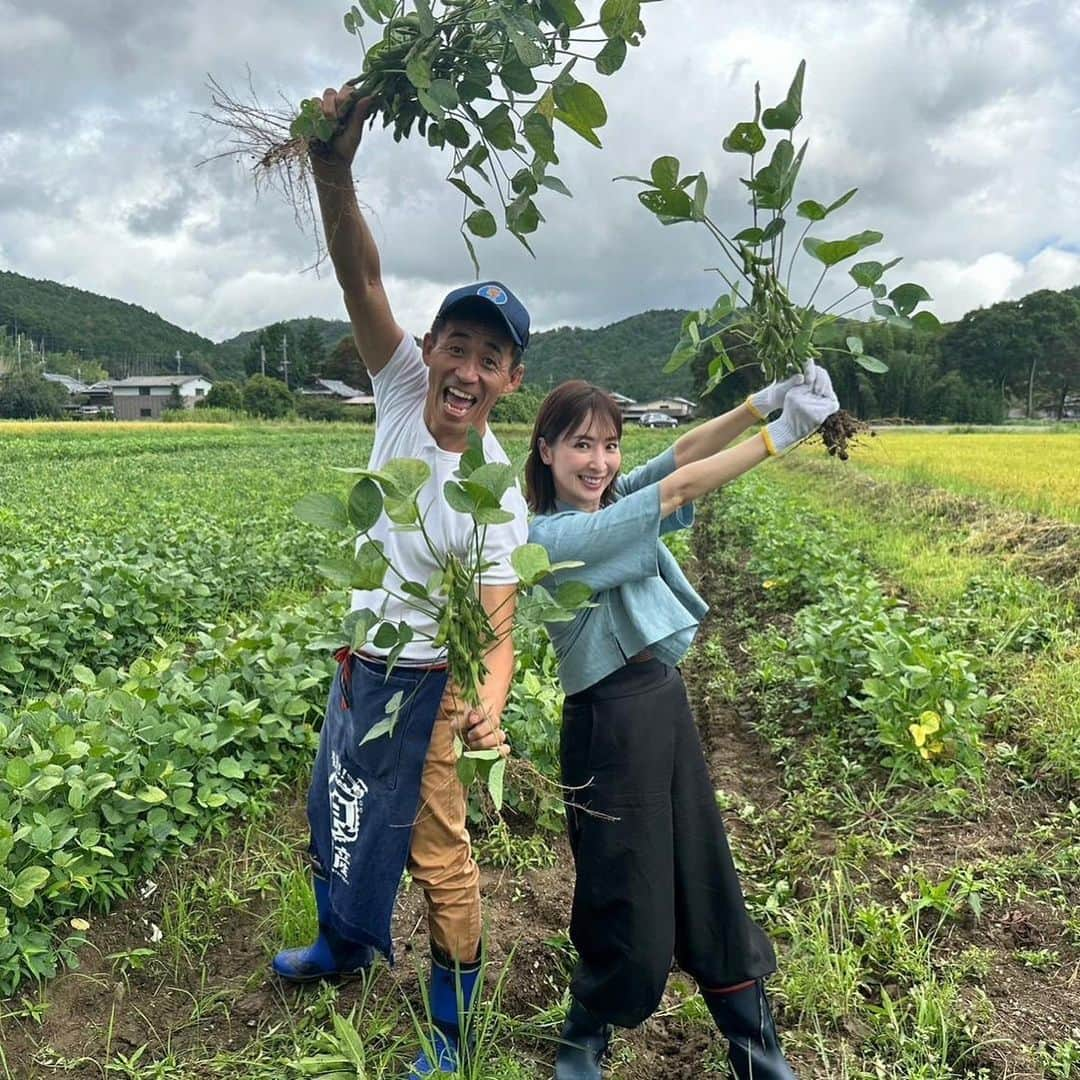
[[642, 597]]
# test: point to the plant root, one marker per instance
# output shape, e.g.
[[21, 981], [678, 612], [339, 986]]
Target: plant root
[[841, 431]]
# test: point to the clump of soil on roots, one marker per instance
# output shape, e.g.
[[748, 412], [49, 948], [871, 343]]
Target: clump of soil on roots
[[841, 431]]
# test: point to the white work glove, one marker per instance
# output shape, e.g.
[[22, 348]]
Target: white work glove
[[806, 407], [772, 396]]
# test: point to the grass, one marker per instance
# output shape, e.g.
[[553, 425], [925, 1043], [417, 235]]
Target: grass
[[1035, 471]]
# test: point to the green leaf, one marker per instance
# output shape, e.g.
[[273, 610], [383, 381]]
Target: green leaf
[[473, 457], [231, 768], [926, 321], [443, 94], [455, 134], [620, 18], [324, 511], [871, 363], [84, 675], [540, 136], [566, 12], [28, 882], [386, 636], [379, 728], [406, 476], [701, 197], [789, 112], [474, 159], [745, 138], [498, 128], [855, 345], [358, 625], [774, 228], [466, 190], [611, 57], [482, 223], [523, 216], [750, 236], [665, 172], [18, 772], [682, 354], [151, 795], [811, 210], [581, 108], [418, 68], [555, 184], [572, 594], [517, 78], [908, 296], [466, 770], [496, 779], [831, 252], [524, 182], [365, 504], [669, 206], [526, 38], [530, 563], [427, 20], [373, 11], [495, 477]]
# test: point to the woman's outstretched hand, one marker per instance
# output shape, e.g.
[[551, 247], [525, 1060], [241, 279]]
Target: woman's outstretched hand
[[771, 397], [806, 407]]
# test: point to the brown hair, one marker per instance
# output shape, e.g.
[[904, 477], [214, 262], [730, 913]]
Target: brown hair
[[568, 405]]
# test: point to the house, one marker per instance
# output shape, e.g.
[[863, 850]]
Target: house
[[330, 388], [679, 407], [146, 397], [360, 399], [72, 385]]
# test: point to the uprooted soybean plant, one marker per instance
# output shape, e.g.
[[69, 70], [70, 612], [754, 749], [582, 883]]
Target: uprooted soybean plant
[[487, 78], [756, 318]]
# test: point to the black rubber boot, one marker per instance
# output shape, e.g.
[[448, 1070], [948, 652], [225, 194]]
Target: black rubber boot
[[746, 1021], [583, 1043]]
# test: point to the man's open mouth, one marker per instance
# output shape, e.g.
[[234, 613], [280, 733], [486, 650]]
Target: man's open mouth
[[457, 402]]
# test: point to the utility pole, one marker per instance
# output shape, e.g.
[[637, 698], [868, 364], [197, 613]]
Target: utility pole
[[285, 358], [262, 359], [177, 361]]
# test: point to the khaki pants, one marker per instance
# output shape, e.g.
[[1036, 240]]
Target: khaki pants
[[440, 856]]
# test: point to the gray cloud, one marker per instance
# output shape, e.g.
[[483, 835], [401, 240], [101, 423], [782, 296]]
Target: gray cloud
[[957, 122]]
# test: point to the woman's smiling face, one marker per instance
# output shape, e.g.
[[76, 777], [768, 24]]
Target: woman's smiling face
[[584, 463]]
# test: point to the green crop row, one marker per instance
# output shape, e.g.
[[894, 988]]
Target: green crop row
[[891, 684], [100, 556], [100, 782]]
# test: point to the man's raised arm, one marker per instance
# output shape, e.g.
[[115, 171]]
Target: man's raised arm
[[349, 241]]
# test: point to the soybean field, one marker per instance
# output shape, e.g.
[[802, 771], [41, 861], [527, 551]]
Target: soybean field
[[886, 685]]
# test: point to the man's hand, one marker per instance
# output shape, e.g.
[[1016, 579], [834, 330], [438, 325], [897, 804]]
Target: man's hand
[[337, 104], [481, 729]]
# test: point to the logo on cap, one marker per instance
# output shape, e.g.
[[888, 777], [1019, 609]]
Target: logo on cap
[[492, 293]]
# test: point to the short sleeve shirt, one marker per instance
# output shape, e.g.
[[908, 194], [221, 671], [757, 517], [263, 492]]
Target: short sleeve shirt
[[400, 393]]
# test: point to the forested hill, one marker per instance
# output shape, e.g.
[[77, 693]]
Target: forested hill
[[626, 356], [330, 331], [96, 326]]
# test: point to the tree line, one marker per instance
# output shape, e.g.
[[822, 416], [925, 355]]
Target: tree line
[[1015, 355]]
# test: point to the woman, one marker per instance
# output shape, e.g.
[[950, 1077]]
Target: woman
[[654, 874]]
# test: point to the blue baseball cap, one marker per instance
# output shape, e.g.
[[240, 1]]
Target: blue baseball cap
[[501, 299]]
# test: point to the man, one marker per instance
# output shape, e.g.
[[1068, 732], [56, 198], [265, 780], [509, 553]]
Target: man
[[374, 808]]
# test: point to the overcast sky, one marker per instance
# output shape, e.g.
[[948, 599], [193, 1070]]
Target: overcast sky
[[959, 123]]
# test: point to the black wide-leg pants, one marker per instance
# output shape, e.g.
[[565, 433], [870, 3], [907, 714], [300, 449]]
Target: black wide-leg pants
[[655, 877]]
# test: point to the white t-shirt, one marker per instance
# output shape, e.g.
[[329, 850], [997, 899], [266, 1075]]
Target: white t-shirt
[[400, 393]]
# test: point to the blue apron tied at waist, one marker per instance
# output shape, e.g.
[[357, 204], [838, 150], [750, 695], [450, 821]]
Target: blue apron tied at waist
[[364, 799]]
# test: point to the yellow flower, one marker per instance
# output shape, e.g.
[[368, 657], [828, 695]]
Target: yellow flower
[[929, 724], [769, 584]]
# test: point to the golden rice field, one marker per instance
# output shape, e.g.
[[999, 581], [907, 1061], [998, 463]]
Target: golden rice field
[[1028, 470]]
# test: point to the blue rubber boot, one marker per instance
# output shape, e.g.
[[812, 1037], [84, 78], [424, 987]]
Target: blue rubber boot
[[331, 956], [444, 1053]]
